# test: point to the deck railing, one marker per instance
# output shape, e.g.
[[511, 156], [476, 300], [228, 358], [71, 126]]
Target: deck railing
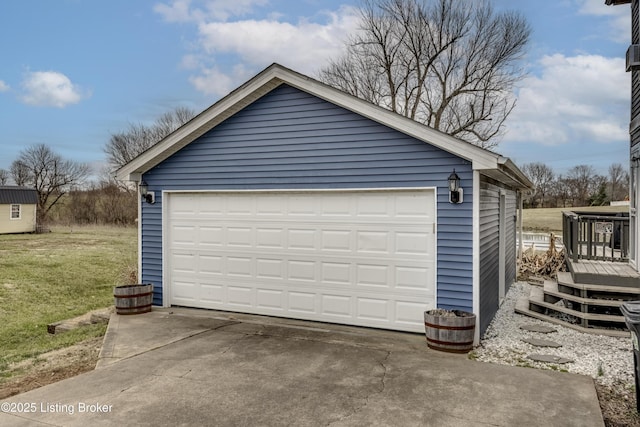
[[596, 236]]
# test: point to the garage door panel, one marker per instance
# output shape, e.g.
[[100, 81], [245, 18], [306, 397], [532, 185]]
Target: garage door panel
[[239, 266], [336, 306], [271, 299], [302, 270], [270, 269], [335, 272], [210, 236], [411, 314], [373, 242], [361, 258], [304, 239], [270, 238], [374, 309], [240, 296], [212, 293], [372, 275], [379, 206], [302, 302], [240, 237], [412, 278], [210, 264]]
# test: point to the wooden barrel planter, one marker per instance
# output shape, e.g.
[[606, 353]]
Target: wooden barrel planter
[[133, 299], [452, 331]]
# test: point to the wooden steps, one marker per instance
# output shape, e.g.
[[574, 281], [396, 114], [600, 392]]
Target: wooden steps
[[604, 273], [587, 307], [522, 307]]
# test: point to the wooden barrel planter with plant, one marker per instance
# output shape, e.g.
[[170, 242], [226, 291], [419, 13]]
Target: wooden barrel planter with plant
[[452, 331], [133, 299]]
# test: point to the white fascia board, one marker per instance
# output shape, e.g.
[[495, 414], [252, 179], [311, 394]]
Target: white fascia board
[[269, 79], [199, 125], [516, 172], [479, 157]]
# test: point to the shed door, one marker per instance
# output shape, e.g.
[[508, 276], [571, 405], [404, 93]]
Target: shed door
[[353, 257]]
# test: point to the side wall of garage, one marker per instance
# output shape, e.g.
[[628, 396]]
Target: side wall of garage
[[290, 139], [497, 228]]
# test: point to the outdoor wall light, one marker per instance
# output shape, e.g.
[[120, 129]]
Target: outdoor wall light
[[455, 192], [147, 196]]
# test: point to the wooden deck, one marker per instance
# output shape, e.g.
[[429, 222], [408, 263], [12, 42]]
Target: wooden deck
[[604, 273]]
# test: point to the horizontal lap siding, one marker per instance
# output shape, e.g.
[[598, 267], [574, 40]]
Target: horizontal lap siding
[[289, 139], [489, 253]]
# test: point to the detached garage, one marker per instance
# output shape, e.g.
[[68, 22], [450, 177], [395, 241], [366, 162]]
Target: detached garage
[[291, 198]]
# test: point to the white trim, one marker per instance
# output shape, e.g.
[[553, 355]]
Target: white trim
[[166, 279], [11, 218], [139, 234], [304, 190], [476, 254], [502, 240], [435, 236]]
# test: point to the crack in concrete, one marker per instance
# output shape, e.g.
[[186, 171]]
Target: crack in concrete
[[381, 389], [119, 359]]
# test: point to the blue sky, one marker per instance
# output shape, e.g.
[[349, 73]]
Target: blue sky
[[72, 72]]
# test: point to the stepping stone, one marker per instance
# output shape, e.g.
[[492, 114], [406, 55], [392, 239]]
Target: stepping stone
[[548, 358], [538, 328], [541, 343]]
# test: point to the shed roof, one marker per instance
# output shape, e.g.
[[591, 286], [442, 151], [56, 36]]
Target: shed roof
[[18, 195], [492, 164]]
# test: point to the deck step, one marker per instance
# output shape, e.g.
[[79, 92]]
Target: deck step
[[522, 307], [566, 279], [537, 301], [553, 294], [613, 274]]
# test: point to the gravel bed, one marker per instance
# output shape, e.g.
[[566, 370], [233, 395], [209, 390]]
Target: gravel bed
[[609, 360]]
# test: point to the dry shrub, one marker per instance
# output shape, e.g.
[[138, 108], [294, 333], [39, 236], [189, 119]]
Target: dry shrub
[[545, 264]]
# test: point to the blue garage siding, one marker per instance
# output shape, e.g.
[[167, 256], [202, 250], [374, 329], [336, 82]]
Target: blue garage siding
[[490, 236], [489, 253], [289, 139]]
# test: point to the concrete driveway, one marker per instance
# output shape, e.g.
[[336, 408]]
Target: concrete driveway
[[185, 367]]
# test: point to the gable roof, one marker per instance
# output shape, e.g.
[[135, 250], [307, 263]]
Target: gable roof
[[489, 163], [18, 195]]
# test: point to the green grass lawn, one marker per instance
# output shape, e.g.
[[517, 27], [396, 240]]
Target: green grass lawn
[[550, 219], [45, 278]]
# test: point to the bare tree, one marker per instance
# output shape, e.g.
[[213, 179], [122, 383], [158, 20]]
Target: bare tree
[[582, 183], [20, 173], [39, 167], [542, 177], [124, 146], [449, 64], [4, 177], [618, 182]]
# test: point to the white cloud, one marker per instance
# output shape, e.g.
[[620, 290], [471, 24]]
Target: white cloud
[[619, 21], [200, 11], [576, 98], [262, 42], [213, 81], [3, 86], [224, 43], [50, 89]]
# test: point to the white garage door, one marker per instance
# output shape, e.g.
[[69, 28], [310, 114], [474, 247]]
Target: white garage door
[[353, 257]]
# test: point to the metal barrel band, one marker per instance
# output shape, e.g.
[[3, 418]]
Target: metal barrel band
[[431, 340], [146, 294], [450, 328], [139, 309]]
